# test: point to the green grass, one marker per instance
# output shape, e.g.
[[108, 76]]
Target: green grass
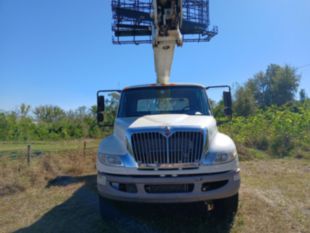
[[258, 154]]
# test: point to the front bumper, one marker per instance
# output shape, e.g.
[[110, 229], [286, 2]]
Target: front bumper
[[200, 192]]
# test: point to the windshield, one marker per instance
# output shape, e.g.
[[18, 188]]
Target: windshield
[[189, 100]]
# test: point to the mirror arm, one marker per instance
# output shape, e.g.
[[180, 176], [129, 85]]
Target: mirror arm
[[219, 86]]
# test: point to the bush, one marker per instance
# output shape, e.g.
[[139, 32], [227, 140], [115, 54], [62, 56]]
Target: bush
[[280, 131], [281, 145], [49, 123]]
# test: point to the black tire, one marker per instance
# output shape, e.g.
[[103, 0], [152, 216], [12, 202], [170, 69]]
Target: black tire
[[107, 208], [102, 206], [226, 207]]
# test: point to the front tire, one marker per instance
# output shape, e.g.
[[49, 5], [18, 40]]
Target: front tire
[[227, 206], [107, 208], [102, 204]]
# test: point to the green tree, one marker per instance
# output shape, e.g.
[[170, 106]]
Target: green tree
[[245, 104], [4, 127], [302, 95], [217, 108], [25, 129], [277, 86], [24, 109], [48, 113], [111, 104]]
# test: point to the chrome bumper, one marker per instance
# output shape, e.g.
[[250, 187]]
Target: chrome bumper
[[200, 184]]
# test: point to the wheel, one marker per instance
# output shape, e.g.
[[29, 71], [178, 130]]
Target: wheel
[[107, 208], [110, 209], [102, 206], [227, 206]]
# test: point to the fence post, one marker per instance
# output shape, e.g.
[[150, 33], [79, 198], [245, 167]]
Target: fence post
[[84, 148], [28, 154]]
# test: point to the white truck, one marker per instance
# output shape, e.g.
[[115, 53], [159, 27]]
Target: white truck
[[166, 148]]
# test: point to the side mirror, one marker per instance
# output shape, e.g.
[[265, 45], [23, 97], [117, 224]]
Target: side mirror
[[100, 117], [227, 103], [100, 103], [100, 109]]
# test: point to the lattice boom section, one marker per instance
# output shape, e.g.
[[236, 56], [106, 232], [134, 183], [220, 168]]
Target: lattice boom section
[[132, 21]]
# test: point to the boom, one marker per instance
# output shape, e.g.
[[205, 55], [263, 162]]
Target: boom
[[167, 21]]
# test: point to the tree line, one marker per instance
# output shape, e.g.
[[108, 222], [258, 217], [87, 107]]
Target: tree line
[[277, 86], [274, 88], [48, 123]]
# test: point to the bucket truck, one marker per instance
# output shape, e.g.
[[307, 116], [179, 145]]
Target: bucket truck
[[166, 146]]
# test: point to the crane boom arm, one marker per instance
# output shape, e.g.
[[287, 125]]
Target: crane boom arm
[[166, 34]]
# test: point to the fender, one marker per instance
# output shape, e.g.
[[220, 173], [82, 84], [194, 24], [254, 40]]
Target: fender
[[222, 143], [112, 145]]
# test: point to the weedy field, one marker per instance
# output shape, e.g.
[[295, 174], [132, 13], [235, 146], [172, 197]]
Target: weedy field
[[57, 193], [18, 149]]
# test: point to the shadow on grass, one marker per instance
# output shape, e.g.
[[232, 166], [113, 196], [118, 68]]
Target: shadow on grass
[[80, 213]]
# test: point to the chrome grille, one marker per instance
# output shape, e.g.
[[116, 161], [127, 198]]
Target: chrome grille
[[156, 149]]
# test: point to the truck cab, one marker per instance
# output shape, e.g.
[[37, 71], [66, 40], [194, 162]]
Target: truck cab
[[166, 148]]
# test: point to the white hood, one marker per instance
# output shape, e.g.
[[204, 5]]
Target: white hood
[[172, 120], [163, 120]]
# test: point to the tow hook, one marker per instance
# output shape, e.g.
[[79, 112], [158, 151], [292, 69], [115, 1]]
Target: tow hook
[[210, 205]]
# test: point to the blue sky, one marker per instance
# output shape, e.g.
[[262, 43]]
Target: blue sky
[[60, 51]]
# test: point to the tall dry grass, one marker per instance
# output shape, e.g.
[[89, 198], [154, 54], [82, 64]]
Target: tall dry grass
[[17, 176]]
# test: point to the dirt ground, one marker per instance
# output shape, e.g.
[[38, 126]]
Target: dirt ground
[[274, 197]]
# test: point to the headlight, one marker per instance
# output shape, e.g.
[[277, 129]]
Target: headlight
[[110, 160], [219, 157]]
